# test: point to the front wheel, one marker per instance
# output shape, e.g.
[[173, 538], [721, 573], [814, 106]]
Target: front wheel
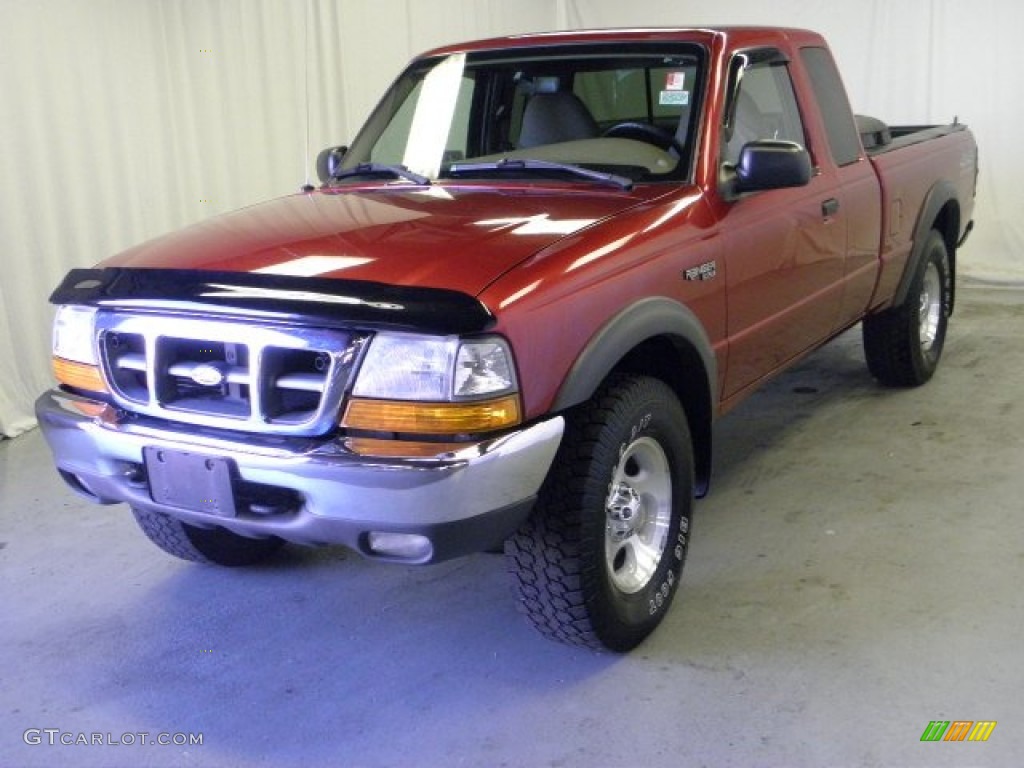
[[903, 344], [600, 558], [203, 545]]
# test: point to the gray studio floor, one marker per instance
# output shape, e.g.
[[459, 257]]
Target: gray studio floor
[[855, 574]]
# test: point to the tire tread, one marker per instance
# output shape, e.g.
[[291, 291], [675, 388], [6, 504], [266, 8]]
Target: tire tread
[[200, 545], [544, 556], [891, 338]]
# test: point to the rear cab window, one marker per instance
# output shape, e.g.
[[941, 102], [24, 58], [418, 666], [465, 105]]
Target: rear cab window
[[840, 128]]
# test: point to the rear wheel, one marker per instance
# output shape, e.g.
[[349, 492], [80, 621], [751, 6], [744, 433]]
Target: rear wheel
[[599, 560], [903, 344], [203, 545]]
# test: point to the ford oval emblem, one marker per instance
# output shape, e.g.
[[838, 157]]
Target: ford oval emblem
[[206, 375]]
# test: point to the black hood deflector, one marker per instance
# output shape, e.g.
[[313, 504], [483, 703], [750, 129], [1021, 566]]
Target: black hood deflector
[[321, 301]]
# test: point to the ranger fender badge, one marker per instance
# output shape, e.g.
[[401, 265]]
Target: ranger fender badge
[[705, 271]]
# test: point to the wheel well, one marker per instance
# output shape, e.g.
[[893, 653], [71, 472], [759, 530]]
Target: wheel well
[[679, 365], [947, 224]]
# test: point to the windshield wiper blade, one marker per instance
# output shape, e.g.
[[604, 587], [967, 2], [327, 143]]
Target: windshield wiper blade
[[371, 169], [527, 164]]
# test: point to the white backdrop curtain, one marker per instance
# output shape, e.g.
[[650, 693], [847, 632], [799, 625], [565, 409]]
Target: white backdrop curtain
[[906, 62], [124, 119]]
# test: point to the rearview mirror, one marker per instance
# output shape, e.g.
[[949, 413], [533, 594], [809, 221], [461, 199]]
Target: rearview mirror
[[328, 161]]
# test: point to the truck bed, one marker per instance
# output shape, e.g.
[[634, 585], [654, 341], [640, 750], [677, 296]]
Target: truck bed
[[898, 154], [878, 137]]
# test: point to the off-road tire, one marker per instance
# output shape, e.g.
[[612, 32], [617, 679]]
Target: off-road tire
[[903, 344], [619, 493], [203, 545]]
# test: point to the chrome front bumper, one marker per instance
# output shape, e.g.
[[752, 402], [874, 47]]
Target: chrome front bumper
[[307, 490]]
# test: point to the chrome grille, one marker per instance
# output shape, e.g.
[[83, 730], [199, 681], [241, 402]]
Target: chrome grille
[[220, 373]]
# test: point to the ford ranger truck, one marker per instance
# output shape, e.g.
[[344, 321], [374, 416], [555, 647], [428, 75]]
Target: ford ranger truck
[[512, 312]]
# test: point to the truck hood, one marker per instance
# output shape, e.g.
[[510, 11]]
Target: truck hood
[[458, 238]]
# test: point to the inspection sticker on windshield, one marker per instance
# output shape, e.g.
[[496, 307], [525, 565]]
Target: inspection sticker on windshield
[[674, 98], [675, 81]]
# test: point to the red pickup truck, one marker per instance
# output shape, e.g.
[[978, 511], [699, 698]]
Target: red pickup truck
[[512, 312]]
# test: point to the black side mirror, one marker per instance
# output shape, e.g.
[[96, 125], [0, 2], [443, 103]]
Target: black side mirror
[[767, 164], [328, 161]]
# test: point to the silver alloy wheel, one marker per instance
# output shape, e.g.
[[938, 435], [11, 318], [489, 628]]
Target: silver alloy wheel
[[639, 510], [930, 311]]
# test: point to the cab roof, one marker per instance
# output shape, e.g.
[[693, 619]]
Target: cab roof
[[736, 36]]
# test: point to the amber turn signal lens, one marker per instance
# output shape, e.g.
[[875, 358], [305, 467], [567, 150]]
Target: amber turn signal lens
[[432, 418], [78, 375], [372, 446]]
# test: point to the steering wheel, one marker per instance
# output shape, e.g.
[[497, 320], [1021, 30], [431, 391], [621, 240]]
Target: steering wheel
[[652, 134]]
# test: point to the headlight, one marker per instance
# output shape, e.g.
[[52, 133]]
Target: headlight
[[74, 356], [73, 329], [483, 368], [430, 385], [407, 367]]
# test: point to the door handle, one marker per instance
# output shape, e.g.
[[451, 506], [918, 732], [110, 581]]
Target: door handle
[[830, 207]]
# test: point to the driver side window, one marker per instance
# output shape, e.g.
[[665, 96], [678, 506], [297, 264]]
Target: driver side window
[[766, 108]]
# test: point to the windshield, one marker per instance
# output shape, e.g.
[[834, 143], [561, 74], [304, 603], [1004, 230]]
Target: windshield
[[628, 109]]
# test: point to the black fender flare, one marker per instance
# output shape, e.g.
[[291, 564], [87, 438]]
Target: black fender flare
[[941, 194], [647, 319]]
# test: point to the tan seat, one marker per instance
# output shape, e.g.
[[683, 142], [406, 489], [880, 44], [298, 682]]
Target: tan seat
[[553, 117]]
